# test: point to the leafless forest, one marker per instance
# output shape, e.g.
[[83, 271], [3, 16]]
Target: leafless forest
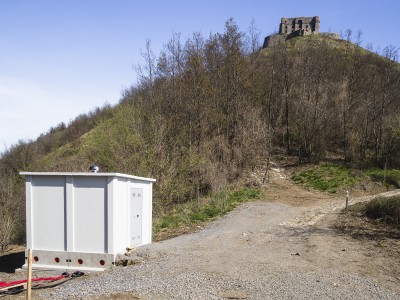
[[208, 109]]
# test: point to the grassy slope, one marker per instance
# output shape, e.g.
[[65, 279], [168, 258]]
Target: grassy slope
[[335, 177]]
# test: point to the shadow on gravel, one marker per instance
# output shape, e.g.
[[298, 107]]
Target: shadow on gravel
[[10, 262], [360, 228], [311, 230], [365, 233]]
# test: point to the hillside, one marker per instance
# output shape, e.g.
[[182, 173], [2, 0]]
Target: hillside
[[208, 111]]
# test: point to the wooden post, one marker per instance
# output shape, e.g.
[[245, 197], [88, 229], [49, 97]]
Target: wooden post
[[29, 282], [347, 200]]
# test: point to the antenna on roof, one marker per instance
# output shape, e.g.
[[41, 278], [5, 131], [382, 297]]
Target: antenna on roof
[[93, 168]]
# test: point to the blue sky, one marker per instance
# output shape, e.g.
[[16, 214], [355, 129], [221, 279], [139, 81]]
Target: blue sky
[[59, 59]]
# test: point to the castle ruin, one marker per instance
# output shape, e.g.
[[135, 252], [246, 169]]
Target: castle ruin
[[299, 26]]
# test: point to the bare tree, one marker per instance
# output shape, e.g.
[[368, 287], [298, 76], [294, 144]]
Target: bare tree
[[146, 71]]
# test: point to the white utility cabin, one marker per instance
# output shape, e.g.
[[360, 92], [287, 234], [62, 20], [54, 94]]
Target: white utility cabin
[[81, 221]]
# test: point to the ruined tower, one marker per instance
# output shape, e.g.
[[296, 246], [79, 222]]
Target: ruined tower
[[299, 25]]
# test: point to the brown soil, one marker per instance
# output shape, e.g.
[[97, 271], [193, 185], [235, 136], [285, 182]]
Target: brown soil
[[333, 238]]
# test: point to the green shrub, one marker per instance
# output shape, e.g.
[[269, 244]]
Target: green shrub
[[326, 177], [223, 203], [170, 221], [389, 177], [220, 204], [385, 209]]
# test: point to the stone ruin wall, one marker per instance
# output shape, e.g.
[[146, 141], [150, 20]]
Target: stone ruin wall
[[305, 25], [299, 26]]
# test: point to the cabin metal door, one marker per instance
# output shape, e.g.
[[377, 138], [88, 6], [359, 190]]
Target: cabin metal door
[[136, 208]]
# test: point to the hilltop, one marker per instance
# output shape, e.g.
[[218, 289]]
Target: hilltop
[[294, 27]]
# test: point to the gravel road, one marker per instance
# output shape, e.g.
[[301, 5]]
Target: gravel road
[[283, 248], [262, 250]]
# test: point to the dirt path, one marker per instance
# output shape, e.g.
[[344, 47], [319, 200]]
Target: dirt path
[[291, 236], [281, 247]]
